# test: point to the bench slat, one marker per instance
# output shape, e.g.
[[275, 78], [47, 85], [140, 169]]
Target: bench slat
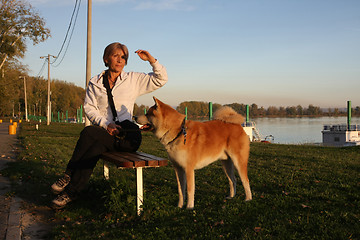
[[160, 161], [151, 156], [119, 162], [133, 158], [124, 159], [150, 162], [163, 163], [137, 159]]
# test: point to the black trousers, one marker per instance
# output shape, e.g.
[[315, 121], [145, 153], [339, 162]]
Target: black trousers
[[92, 143]]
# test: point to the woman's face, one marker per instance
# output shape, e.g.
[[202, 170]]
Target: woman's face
[[116, 61]]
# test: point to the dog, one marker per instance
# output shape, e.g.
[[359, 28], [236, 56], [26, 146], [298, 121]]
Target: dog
[[193, 145]]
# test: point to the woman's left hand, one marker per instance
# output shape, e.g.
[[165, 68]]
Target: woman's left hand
[[145, 55], [113, 129]]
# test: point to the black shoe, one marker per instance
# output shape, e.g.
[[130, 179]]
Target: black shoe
[[61, 200], [60, 184]]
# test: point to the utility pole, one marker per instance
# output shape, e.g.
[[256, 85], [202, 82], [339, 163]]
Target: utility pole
[[48, 114], [88, 51], [26, 112]]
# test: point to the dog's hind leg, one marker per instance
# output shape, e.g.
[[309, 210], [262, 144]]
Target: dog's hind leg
[[241, 166], [190, 183], [240, 160], [181, 181], [228, 167], [245, 181]]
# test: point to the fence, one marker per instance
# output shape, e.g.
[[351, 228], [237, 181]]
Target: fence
[[61, 117]]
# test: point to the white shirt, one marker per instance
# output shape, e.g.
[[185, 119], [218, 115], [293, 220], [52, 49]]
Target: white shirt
[[128, 86]]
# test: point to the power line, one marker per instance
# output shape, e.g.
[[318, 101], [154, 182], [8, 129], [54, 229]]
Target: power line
[[68, 30], [41, 70], [37, 76], [67, 37]]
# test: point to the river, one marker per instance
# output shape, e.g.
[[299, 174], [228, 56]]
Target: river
[[298, 130]]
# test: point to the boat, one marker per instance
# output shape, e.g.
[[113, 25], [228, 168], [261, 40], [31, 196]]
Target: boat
[[342, 135], [252, 131]]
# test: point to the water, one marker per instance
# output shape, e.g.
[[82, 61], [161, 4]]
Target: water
[[298, 130]]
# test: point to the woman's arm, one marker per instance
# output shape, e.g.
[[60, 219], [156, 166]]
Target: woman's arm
[[154, 80], [92, 110]]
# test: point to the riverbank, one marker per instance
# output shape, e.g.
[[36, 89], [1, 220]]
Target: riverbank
[[299, 191]]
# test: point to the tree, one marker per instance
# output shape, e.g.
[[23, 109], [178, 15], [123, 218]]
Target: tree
[[291, 111], [139, 110], [299, 110], [272, 111], [313, 110], [11, 88], [282, 111], [254, 110], [195, 109], [357, 111], [239, 108], [19, 21]]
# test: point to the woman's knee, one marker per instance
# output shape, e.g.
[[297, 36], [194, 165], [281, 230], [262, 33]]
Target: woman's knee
[[91, 131]]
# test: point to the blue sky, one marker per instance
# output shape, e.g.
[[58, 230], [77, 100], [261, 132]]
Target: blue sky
[[268, 52]]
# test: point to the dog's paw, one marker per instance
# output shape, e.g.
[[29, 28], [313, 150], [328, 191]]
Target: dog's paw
[[190, 206]]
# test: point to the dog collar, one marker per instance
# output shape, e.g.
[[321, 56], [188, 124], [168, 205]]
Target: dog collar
[[182, 131]]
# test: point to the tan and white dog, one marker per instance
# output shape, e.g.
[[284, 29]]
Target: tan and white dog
[[193, 145]]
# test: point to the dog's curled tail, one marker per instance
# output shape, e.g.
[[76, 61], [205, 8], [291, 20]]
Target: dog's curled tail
[[227, 114]]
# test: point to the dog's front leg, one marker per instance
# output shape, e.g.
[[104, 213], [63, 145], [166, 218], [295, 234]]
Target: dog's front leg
[[190, 179], [181, 181]]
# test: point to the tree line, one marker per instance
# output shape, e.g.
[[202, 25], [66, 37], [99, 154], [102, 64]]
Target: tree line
[[65, 97], [200, 110]]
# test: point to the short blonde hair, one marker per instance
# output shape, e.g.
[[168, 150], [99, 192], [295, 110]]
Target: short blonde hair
[[111, 48]]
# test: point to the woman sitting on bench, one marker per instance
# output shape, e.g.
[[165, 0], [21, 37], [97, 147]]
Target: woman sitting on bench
[[109, 103]]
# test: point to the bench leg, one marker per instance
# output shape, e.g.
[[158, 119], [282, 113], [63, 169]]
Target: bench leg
[[139, 188], [106, 171]]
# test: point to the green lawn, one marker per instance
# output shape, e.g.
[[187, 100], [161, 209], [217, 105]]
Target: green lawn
[[299, 192]]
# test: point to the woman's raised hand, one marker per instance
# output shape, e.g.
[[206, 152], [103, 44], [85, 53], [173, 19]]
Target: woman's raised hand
[[145, 55]]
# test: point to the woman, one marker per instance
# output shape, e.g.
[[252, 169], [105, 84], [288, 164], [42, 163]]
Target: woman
[[101, 137]]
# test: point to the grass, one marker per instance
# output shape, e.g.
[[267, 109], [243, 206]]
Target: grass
[[299, 192]]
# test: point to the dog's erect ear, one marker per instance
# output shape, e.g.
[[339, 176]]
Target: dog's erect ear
[[157, 101]]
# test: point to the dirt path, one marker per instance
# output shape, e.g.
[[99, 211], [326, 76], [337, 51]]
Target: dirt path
[[18, 218]]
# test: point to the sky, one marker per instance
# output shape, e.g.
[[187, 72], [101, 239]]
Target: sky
[[267, 52]]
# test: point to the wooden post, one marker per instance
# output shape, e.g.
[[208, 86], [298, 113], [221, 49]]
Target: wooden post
[[139, 189], [88, 51]]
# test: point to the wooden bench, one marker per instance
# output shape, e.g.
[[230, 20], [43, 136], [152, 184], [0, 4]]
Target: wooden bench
[[137, 160]]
